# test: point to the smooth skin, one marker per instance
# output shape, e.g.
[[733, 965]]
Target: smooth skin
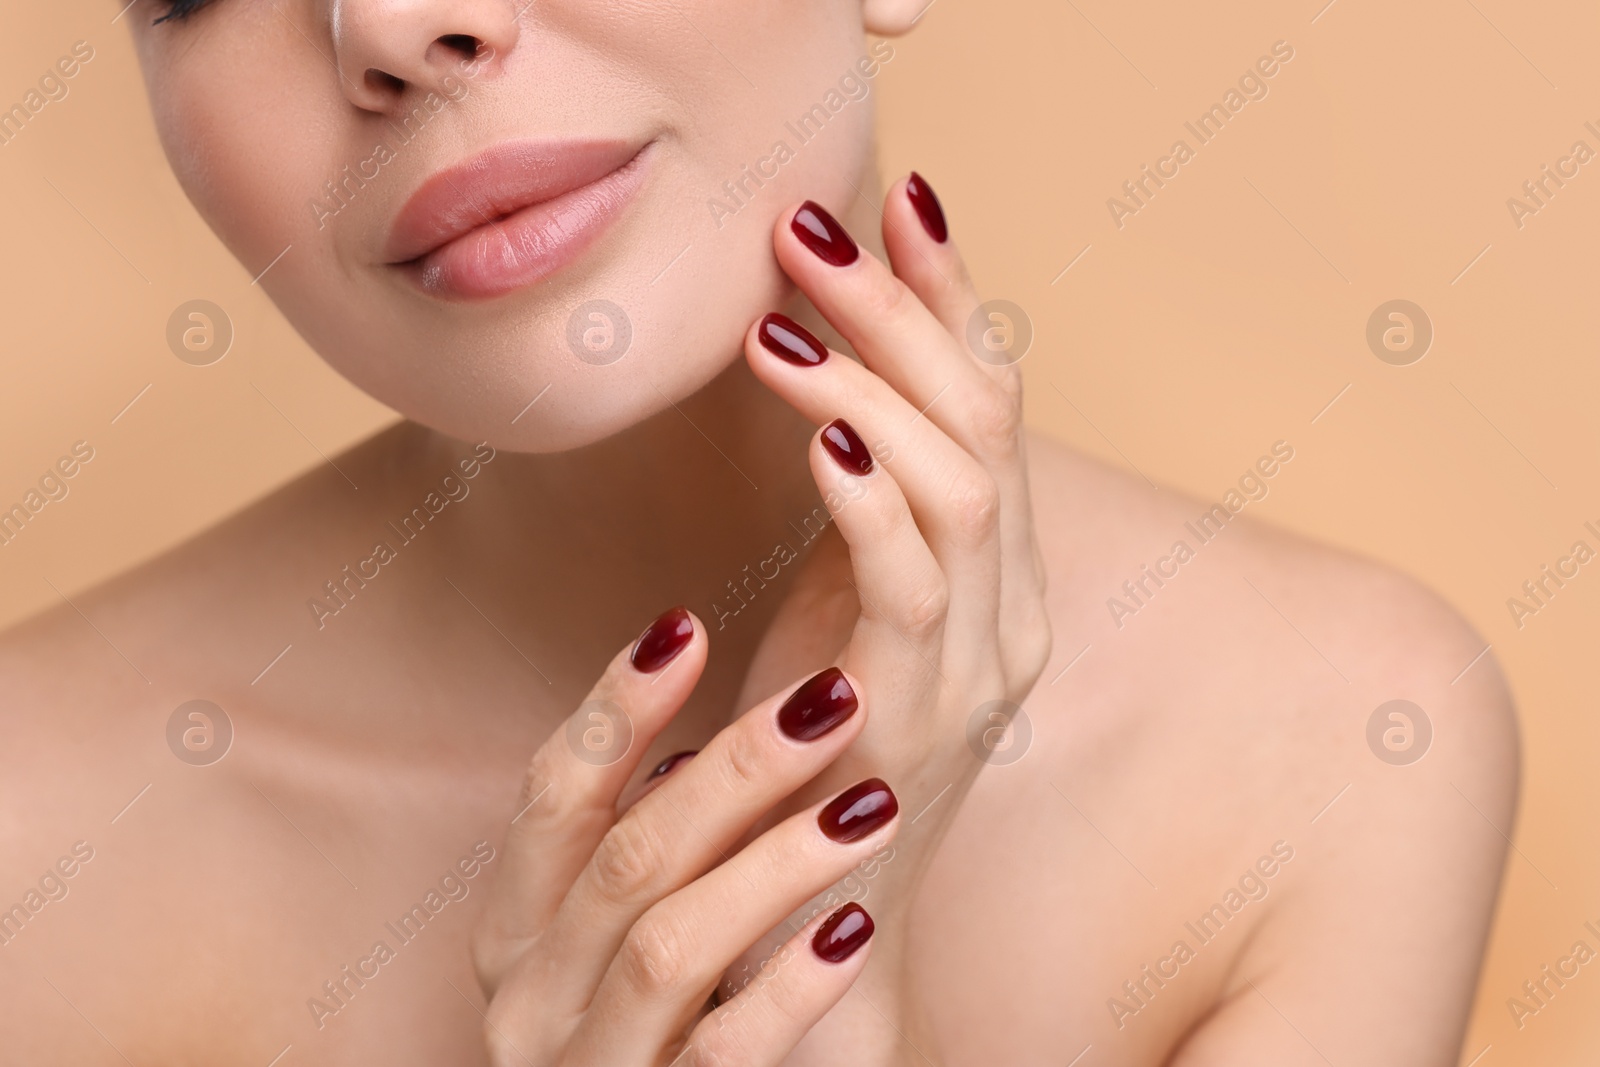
[[1015, 904], [927, 535], [1181, 753]]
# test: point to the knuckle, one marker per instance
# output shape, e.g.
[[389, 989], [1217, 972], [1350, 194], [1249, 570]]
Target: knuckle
[[1011, 385], [744, 761], [542, 798], [885, 298], [629, 859], [653, 957], [996, 421], [923, 613], [975, 504], [716, 1048]]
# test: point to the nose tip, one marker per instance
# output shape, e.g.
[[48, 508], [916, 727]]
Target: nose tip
[[384, 49]]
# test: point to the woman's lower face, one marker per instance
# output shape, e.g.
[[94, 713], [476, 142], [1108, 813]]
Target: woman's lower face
[[464, 207]]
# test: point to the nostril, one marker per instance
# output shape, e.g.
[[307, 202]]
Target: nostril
[[462, 44], [383, 82]]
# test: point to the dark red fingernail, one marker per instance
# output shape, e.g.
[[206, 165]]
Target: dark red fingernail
[[920, 193], [858, 811], [846, 930], [821, 232], [822, 702], [787, 339], [670, 762], [662, 641], [846, 447]]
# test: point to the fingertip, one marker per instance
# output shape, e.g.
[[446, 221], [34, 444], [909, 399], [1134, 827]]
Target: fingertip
[[922, 253], [784, 243], [926, 206], [845, 447], [828, 703], [783, 337], [808, 236], [780, 225], [843, 934], [664, 640]]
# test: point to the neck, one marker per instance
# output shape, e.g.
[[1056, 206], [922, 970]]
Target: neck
[[605, 537]]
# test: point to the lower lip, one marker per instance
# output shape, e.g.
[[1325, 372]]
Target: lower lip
[[527, 245]]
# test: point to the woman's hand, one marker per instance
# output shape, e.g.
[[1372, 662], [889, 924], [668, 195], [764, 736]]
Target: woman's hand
[[605, 933], [921, 465]]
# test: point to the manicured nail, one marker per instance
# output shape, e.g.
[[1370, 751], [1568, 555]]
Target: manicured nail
[[821, 232], [787, 339], [846, 447], [662, 641], [858, 811], [846, 930], [920, 193], [822, 702], [670, 762]]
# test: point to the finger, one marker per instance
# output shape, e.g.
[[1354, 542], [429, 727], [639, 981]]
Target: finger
[[806, 977], [902, 341], [677, 952], [569, 794], [895, 334], [904, 594], [935, 271], [684, 827], [923, 254], [952, 498]]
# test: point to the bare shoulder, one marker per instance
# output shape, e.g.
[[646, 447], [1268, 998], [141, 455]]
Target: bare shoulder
[[91, 683], [58, 690], [1139, 573], [1246, 687], [69, 765]]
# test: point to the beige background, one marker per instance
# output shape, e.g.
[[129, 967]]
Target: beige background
[[1225, 315]]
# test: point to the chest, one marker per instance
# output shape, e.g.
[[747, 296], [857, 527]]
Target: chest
[[1096, 894], [1074, 902]]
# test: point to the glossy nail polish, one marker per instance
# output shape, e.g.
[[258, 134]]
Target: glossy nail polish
[[858, 811], [927, 206], [670, 762], [822, 702], [821, 232], [846, 447], [788, 340], [841, 933], [662, 641]]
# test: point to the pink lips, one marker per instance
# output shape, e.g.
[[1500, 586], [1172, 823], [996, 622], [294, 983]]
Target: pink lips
[[512, 215]]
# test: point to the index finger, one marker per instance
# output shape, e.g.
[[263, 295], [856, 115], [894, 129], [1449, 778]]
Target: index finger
[[569, 793]]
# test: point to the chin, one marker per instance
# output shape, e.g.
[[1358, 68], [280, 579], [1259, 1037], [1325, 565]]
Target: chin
[[569, 363], [642, 316]]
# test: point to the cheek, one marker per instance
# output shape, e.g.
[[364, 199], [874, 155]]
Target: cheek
[[231, 180], [255, 125], [248, 130], [794, 124]]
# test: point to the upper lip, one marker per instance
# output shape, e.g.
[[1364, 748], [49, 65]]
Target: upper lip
[[495, 183]]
